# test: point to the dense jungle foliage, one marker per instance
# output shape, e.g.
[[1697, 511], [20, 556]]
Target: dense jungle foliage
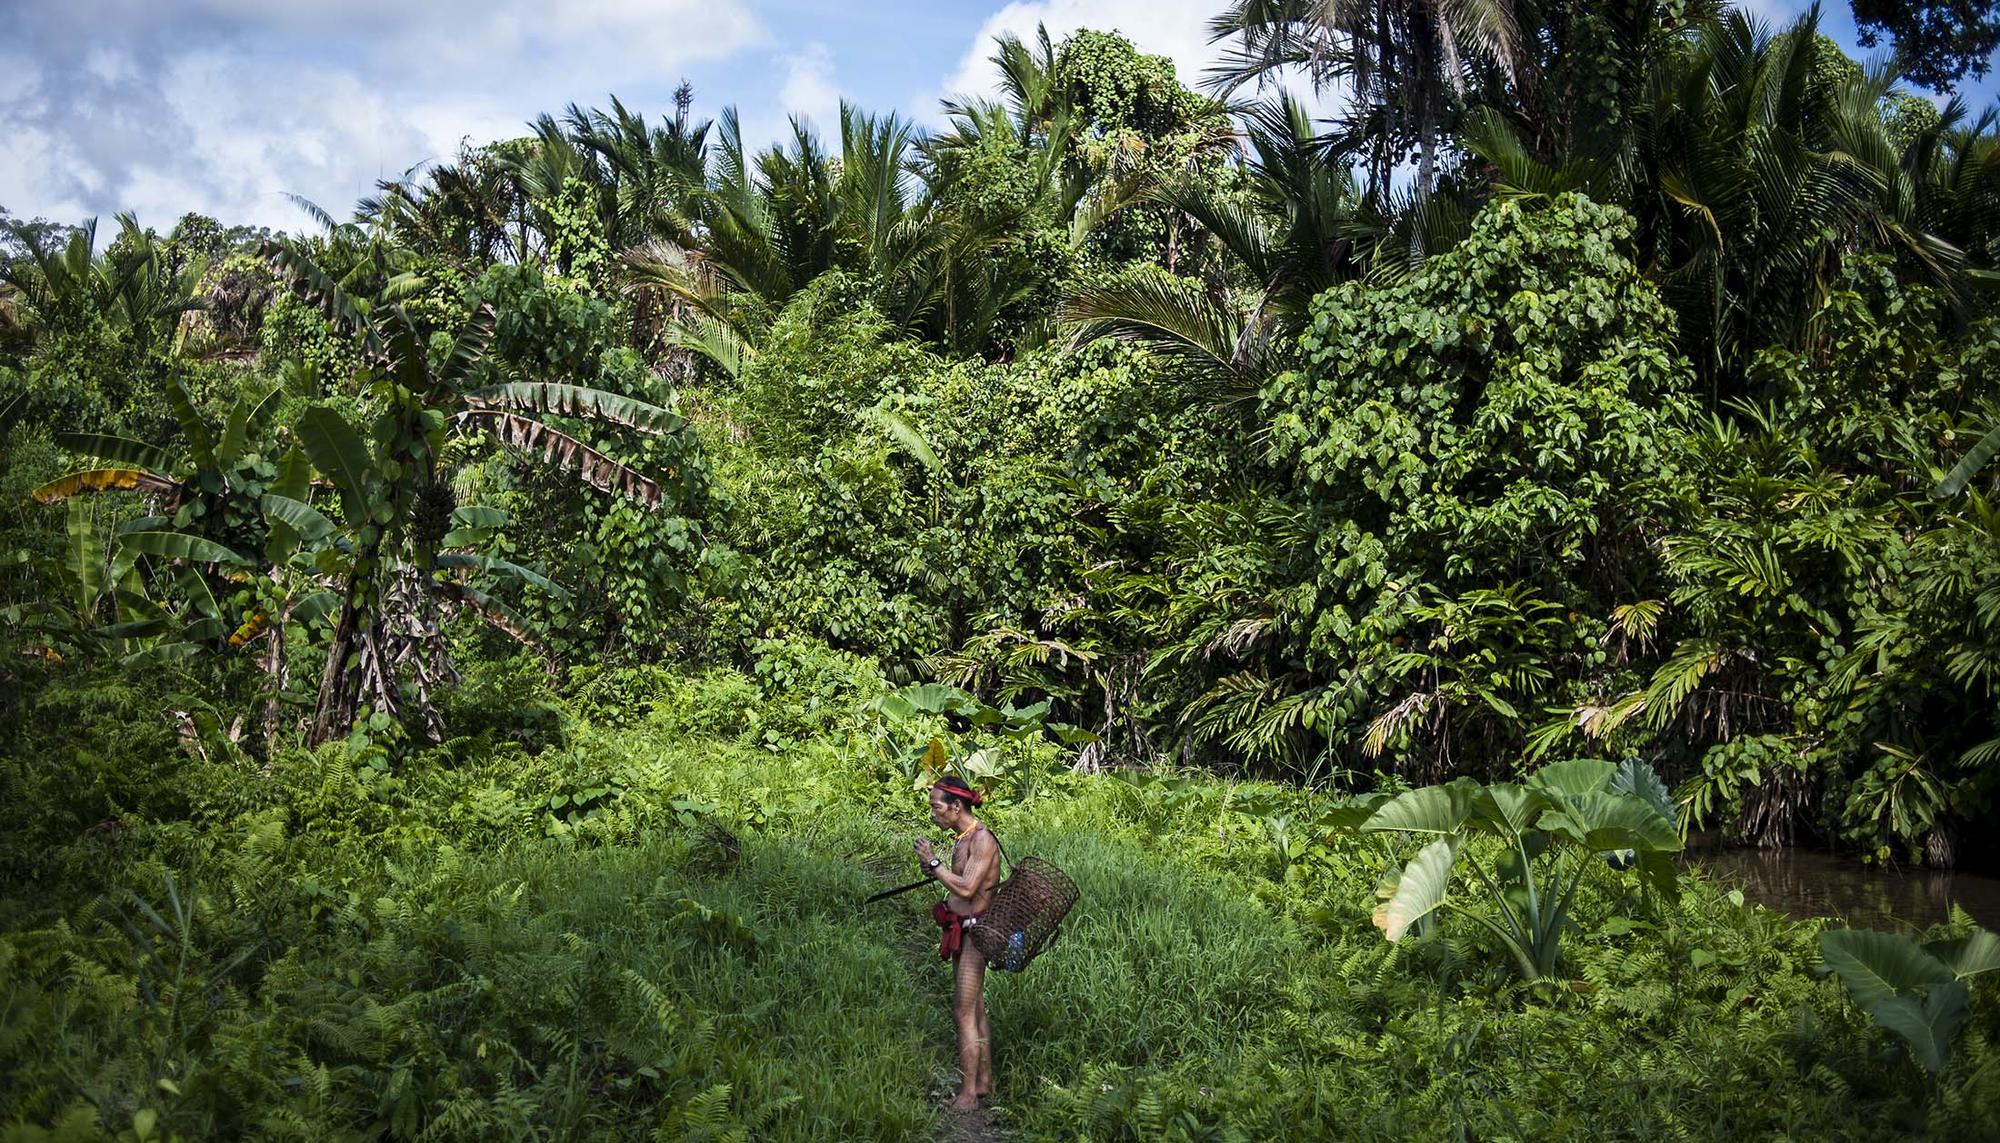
[[462, 666]]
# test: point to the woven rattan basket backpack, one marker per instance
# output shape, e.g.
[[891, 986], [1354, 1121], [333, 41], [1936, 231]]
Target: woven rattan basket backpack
[[1026, 915]]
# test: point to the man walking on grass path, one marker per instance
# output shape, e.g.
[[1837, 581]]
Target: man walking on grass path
[[969, 879]]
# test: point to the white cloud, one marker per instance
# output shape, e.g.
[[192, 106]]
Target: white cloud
[[809, 90], [219, 105], [1177, 29], [1174, 28]]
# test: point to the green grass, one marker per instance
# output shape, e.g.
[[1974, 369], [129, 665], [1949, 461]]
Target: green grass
[[437, 949]]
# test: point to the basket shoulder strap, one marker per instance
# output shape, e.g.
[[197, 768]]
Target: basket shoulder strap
[[1005, 861]]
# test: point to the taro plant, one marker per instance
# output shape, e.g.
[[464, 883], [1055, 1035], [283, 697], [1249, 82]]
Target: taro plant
[[1915, 990], [911, 717], [1549, 830]]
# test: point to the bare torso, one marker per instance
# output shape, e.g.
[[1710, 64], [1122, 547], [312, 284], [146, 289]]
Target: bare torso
[[975, 847]]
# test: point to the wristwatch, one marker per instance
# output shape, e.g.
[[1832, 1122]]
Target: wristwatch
[[931, 865]]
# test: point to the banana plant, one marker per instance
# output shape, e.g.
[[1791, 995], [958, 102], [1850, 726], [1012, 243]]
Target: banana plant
[[103, 603], [1915, 990], [1549, 829], [397, 516]]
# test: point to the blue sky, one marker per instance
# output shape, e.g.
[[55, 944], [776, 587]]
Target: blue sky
[[222, 106]]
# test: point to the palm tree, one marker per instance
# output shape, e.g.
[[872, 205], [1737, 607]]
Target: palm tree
[[1407, 64]]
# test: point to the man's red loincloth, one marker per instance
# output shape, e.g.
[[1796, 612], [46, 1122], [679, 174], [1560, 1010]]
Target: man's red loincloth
[[953, 924]]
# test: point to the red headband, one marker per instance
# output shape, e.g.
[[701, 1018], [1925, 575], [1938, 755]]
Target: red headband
[[966, 792]]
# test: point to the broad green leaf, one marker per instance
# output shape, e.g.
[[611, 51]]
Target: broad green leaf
[[1509, 808], [453, 561], [1968, 956], [577, 401], [1419, 890], [302, 518], [337, 450], [315, 607], [1612, 821], [200, 445], [131, 629], [1427, 809], [195, 588], [181, 546], [143, 524], [1660, 871], [1573, 776], [1979, 456], [1929, 1025], [478, 516], [936, 698], [161, 653], [1639, 779], [1351, 814], [119, 450], [1876, 965]]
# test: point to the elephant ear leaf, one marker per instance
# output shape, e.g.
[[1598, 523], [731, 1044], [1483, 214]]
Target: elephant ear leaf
[[1613, 821], [1418, 890], [1928, 1025], [1573, 776], [1509, 808], [1639, 779], [1427, 809], [1968, 956], [1875, 966]]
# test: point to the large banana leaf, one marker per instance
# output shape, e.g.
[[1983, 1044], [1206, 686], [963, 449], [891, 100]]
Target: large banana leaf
[[565, 451], [466, 560], [305, 521], [103, 480], [337, 450], [161, 653], [1427, 809], [180, 546], [118, 450], [576, 401], [322, 290], [1876, 966], [469, 348], [246, 423], [472, 524], [478, 516], [1419, 890], [201, 446]]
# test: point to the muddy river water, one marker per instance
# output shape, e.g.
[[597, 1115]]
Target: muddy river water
[[1803, 883]]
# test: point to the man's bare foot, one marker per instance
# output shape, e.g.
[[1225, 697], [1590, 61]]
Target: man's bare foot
[[966, 1101]]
